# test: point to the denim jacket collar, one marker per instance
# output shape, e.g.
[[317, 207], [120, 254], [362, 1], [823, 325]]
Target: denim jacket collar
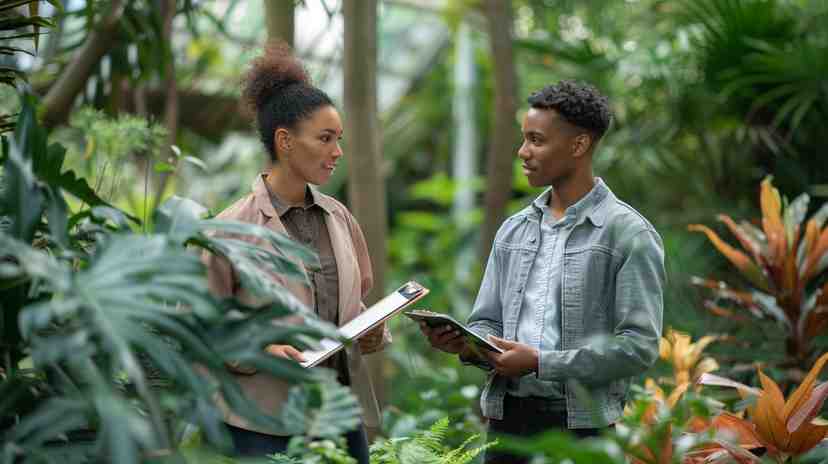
[[588, 207]]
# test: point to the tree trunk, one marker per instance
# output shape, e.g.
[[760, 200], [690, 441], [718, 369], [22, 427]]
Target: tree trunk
[[168, 10], [366, 186], [61, 96], [279, 16], [504, 130], [465, 159]]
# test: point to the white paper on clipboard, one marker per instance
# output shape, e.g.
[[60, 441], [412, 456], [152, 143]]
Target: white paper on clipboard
[[383, 310]]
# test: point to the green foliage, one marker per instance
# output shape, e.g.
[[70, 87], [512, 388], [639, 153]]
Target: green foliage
[[301, 451], [122, 334], [427, 447], [16, 27], [109, 152], [116, 138], [33, 177]]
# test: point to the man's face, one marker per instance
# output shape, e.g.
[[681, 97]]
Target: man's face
[[548, 150]]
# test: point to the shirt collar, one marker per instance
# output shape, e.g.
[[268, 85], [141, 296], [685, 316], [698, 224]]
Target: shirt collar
[[587, 207], [271, 205]]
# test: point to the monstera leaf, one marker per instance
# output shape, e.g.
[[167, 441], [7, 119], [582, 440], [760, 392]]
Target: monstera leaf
[[146, 296]]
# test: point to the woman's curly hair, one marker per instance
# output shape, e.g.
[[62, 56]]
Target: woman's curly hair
[[278, 90], [578, 103]]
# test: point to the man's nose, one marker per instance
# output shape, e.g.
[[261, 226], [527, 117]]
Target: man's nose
[[523, 152]]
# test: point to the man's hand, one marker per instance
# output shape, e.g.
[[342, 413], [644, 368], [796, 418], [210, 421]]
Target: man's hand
[[444, 338], [286, 351], [517, 359]]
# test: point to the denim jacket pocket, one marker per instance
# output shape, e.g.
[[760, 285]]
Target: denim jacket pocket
[[518, 258], [590, 272]]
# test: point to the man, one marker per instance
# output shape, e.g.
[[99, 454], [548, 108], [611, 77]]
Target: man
[[572, 291]]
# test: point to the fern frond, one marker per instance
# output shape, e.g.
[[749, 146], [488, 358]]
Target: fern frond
[[460, 455], [432, 439]]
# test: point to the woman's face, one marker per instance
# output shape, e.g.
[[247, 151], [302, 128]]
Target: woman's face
[[314, 148]]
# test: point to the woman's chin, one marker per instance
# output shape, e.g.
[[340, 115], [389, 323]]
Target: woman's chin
[[321, 179]]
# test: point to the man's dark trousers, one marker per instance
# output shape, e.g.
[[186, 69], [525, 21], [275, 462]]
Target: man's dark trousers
[[524, 418]]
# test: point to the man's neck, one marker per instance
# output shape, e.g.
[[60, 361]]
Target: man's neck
[[288, 187], [569, 191]]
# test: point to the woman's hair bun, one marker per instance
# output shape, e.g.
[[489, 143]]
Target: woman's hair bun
[[270, 73]]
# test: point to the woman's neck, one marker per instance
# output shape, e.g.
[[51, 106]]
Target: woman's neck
[[288, 187]]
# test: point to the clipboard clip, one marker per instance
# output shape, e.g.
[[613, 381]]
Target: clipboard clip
[[410, 290]]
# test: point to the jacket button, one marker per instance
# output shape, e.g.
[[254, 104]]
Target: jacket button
[[532, 240]]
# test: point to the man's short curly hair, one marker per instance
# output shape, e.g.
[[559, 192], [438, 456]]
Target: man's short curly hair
[[578, 103]]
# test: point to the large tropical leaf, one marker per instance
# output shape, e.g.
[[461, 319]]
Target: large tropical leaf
[[324, 410], [146, 295], [181, 219]]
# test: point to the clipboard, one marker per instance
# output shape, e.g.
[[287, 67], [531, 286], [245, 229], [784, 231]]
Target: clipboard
[[439, 319], [383, 310]]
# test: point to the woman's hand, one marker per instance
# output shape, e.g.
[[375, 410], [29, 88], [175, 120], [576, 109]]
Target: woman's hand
[[285, 351], [372, 340]]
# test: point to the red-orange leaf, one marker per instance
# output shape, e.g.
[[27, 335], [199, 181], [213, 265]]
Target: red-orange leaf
[[771, 204], [804, 391], [808, 244], [808, 436], [768, 418], [748, 268], [726, 313], [809, 409], [722, 290], [815, 254], [747, 242], [737, 430]]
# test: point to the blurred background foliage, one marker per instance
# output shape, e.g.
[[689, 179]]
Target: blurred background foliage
[[709, 97]]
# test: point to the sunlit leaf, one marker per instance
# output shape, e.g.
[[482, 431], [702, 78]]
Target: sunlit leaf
[[748, 241], [768, 413], [747, 267], [794, 412], [794, 214], [772, 224]]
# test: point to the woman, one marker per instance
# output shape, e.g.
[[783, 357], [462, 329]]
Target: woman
[[301, 129]]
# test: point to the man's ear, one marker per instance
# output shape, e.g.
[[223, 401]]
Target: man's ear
[[581, 144], [284, 141]]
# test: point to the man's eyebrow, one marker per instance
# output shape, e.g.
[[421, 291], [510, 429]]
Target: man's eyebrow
[[533, 132]]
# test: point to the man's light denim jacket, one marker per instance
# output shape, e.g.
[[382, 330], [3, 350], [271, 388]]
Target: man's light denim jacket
[[612, 281]]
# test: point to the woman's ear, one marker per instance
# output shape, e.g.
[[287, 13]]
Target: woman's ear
[[581, 144], [284, 142]]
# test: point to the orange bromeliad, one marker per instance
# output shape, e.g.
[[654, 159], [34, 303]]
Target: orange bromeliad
[[784, 428]]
